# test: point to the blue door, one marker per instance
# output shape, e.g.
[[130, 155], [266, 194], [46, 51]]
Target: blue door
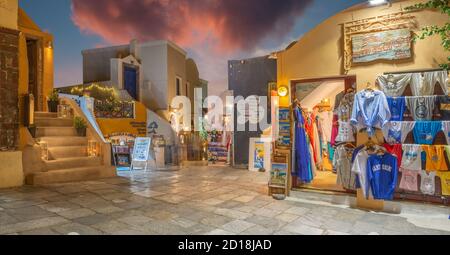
[[130, 75]]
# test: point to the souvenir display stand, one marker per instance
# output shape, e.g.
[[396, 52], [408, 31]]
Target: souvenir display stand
[[390, 140]]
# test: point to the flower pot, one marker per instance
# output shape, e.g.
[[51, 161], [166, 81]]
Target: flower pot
[[81, 132], [52, 106]]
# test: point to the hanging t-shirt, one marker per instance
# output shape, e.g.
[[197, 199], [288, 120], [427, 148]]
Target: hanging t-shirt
[[445, 182], [428, 183], [446, 130], [345, 177], [397, 106], [444, 107], [409, 180], [370, 111], [421, 108], [396, 150], [382, 175], [435, 158], [346, 132], [359, 167], [412, 157], [394, 85], [397, 132], [425, 132], [423, 84]]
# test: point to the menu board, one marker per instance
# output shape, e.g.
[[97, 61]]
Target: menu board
[[141, 149]]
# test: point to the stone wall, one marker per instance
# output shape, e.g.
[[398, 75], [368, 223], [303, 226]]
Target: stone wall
[[9, 83]]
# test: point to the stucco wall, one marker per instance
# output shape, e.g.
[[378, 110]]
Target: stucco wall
[[176, 68], [154, 70], [320, 52], [8, 13], [192, 76]]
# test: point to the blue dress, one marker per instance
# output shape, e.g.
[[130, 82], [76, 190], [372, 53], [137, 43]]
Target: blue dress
[[302, 154]]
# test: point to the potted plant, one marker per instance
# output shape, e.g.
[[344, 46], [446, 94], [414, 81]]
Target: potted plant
[[80, 125], [53, 101]]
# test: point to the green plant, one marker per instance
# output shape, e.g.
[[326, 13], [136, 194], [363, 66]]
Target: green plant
[[443, 31], [79, 123], [54, 96]]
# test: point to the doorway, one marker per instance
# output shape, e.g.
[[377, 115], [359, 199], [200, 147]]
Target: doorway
[[320, 98], [131, 77], [32, 53]]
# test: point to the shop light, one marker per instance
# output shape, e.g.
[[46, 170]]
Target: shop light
[[377, 2], [283, 91]]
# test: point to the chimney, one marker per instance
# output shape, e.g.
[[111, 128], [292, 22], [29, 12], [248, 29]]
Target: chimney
[[134, 49]]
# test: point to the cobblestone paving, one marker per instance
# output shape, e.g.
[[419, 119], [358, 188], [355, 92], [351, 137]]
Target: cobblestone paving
[[197, 200]]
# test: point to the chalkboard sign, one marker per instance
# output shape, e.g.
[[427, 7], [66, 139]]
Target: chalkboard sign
[[141, 151]]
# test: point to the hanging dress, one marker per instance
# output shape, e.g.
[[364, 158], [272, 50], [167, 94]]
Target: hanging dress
[[302, 150]]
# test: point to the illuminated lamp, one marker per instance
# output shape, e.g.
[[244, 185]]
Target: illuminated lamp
[[377, 2], [283, 91]]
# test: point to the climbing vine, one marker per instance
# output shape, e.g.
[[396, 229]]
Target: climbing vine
[[442, 6]]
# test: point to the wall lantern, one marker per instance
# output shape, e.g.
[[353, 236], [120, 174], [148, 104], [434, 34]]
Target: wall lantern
[[283, 91], [377, 2]]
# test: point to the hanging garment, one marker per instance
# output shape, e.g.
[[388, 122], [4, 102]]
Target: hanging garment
[[424, 84], [326, 121], [312, 163], [444, 107], [396, 150], [370, 111], [317, 142], [397, 132], [447, 152], [445, 182], [382, 174], [435, 158], [309, 126], [425, 132], [302, 154], [421, 108], [346, 132], [410, 180], [428, 183], [412, 157], [394, 85], [359, 167], [397, 106], [330, 152], [346, 178], [334, 130], [337, 100], [446, 130]]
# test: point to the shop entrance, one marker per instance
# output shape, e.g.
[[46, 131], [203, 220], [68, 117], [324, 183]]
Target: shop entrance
[[320, 99]]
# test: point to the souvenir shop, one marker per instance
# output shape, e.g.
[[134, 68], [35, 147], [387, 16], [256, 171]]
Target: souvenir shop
[[406, 117]]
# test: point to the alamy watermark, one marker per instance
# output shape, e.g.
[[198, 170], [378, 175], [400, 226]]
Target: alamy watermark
[[228, 113]]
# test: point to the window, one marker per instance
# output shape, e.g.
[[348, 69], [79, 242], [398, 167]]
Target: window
[[178, 86]]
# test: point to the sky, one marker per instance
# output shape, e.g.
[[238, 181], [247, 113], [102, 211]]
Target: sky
[[211, 31]]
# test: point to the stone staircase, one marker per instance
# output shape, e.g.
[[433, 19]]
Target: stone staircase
[[68, 157]]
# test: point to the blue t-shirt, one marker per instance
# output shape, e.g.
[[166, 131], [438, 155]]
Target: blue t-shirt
[[382, 174], [425, 132], [397, 106]]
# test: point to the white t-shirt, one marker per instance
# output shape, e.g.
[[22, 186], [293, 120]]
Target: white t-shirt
[[428, 183], [397, 131], [412, 157], [360, 168]]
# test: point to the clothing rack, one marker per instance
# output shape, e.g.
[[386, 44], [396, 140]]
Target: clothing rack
[[416, 71]]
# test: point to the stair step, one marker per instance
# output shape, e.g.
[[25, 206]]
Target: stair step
[[45, 114], [65, 175], [53, 122], [59, 141], [68, 163], [67, 152], [55, 131]]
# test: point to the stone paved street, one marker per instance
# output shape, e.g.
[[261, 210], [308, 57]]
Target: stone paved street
[[198, 201]]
